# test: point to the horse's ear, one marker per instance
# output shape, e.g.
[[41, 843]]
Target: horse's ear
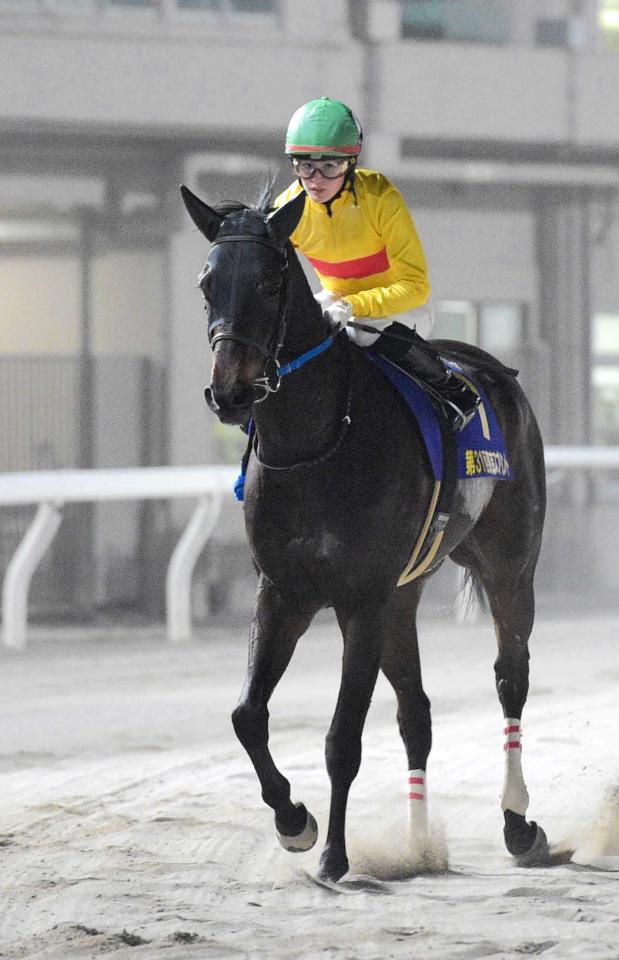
[[283, 220], [207, 220]]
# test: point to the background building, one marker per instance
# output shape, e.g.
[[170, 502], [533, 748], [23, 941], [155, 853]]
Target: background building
[[496, 118]]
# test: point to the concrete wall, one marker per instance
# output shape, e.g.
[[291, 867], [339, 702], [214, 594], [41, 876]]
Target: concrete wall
[[201, 75], [479, 255], [173, 76], [596, 88], [605, 275], [467, 92]]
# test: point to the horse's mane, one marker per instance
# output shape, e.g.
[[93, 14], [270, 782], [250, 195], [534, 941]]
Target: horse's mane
[[261, 206]]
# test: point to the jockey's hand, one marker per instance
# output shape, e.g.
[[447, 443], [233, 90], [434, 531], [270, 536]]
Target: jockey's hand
[[325, 298], [338, 315]]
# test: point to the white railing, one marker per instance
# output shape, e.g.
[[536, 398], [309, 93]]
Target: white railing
[[51, 489]]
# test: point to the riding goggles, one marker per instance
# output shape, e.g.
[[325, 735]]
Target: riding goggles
[[329, 169]]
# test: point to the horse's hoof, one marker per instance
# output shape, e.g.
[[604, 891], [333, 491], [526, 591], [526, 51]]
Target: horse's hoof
[[332, 866], [526, 842], [304, 840], [538, 855]]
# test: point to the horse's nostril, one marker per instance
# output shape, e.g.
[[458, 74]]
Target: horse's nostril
[[210, 400]]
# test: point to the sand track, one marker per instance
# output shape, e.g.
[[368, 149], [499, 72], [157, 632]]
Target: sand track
[[131, 822]]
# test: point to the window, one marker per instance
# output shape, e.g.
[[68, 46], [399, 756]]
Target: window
[[229, 6], [198, 5], [252, 6], [605, 378], [241, 8], [456, 320], [608, 15], [142, 4], [498, 327], [136, 4], [608, 21], [606, 335], [458, 21], [552, 33]]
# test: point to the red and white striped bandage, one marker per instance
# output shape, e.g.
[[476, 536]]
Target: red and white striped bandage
[[513, 734], [417, 811], [514, 794], [416, 785]]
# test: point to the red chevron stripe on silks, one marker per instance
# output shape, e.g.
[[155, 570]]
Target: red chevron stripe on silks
[[416, 796], [512, 745], [353, 269], [514, 729], [415, 780]]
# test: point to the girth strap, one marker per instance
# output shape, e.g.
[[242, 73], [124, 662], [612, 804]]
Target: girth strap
[[439, 510]]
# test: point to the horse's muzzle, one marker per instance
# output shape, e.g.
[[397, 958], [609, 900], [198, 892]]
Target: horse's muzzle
[[233, 410]]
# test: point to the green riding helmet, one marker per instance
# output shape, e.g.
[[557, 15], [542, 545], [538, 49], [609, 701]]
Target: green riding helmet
[[324, 127]]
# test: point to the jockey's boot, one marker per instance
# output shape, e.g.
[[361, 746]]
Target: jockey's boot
[[415, 355]]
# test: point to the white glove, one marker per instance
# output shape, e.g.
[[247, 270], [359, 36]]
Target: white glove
[[325, 298], [338, 315]]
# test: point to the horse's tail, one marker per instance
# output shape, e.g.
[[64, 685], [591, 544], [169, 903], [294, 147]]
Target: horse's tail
[[472, 591]]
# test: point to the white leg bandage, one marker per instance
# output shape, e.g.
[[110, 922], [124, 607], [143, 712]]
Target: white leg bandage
[[417, 807], [514, 795]]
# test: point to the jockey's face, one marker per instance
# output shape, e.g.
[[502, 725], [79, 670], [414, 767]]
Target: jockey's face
[[322, 189]]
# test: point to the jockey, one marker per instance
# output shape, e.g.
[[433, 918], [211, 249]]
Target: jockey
[[359, 236]]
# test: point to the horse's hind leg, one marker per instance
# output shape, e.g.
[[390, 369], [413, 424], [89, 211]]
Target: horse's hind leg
[[276, 625], [400, 664], [513, 606]]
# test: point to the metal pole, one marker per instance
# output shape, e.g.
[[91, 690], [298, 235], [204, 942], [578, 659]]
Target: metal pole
[[182, 563], [81, 522], [86, 426], [20, 571]]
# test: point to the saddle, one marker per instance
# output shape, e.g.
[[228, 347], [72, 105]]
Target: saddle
[[476, 451]]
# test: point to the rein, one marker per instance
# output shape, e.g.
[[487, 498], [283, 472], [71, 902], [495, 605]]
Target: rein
[[321, 457], [239, 484]]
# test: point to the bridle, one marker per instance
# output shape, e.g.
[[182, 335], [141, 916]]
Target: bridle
[[219, 330]]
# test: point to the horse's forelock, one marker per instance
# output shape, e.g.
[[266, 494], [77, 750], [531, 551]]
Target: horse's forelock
[[262, 206]]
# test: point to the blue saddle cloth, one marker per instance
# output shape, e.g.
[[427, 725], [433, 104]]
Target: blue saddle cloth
[[481, 448]]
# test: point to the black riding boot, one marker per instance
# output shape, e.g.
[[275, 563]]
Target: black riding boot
[[416, 355]]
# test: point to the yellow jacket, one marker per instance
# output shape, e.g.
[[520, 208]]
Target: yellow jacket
[[368, 250]]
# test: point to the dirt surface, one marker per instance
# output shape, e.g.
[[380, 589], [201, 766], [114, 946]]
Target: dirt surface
[[131, 823]]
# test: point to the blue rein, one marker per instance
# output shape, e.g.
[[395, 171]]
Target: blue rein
[[314, 352], [239, 484]]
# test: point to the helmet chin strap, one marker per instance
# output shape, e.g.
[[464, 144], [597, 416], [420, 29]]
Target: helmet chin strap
[[348, 184]]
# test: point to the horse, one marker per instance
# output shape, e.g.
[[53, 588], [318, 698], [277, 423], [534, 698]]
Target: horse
[[337, 487]]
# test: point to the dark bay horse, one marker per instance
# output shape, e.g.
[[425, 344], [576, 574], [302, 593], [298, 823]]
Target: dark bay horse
[[337, 489]]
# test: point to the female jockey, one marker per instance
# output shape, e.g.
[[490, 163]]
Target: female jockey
[[359, 236]]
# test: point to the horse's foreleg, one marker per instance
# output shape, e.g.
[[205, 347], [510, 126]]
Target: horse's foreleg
[[276, 625], [400, 664], [361, 660], [513, 605]]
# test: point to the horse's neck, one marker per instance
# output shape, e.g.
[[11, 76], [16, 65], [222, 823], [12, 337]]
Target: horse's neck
[[299, 421], [305, 326]]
